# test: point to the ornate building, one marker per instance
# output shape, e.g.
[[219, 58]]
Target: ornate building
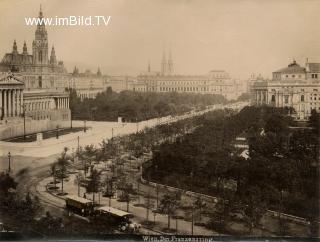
[[293, 86], [11, 97], [37, 70], [87, 84], [216, 82], [38, 80]]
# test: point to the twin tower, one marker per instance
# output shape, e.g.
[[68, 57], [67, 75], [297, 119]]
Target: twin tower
[[166, 65]]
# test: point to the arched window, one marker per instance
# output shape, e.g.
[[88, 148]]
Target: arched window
[[273, 98], [302, 98]]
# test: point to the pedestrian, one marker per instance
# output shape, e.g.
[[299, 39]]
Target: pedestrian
[[84, 195]]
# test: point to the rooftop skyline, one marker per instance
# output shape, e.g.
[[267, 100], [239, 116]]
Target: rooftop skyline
[[241, 37]]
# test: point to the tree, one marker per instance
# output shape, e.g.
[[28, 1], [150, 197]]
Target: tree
[[93, 185], [53, 170], [6, 183], [254, 206], [127, 190], [199, 204], [168, 204], [62, 167], [78, 180]]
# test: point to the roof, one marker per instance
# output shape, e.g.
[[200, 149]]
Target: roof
[[314, 67], [9, 78], [79, 199], [294, 67], [115, 211]]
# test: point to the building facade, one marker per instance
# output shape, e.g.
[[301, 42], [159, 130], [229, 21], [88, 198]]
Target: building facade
[[87, 84], [294, 86], [11, 97], [33, 85], [215, 82]]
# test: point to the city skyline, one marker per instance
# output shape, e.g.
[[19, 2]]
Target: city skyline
[[139, 31]]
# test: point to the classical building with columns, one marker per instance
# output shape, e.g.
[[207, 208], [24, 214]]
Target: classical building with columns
[[11, 97], [293, 86], [38, 81]]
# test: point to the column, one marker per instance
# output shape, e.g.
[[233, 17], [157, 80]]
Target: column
[[5, 111], [21, 102], [14, 102], [1, 104], [68, 103], [9, 103]]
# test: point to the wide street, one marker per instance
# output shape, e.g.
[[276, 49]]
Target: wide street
[[30, 162]]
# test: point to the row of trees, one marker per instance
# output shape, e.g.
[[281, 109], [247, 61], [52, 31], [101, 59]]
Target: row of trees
[[137, 106], [282, 167]]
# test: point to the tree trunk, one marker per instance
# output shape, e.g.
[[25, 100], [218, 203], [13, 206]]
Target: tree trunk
[[128, 206], [168, 221], [62, 184]]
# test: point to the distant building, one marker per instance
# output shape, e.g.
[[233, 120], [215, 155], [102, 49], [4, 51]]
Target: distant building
[[120, 83], [87, 84], [293, 86], [215, 82]]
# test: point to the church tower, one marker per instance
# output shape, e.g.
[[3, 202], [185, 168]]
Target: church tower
[[40, 44], [170, 64], [164, 64]]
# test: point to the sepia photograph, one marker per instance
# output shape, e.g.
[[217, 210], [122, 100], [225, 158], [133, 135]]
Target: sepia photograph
[[160, 120]]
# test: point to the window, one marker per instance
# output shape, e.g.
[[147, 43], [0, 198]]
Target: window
[[293, 76], [273, 98], [302, 98]]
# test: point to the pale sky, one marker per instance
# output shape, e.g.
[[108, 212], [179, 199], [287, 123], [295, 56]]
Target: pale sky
[[239, 36]]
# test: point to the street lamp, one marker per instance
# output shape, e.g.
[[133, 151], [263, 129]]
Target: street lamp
[[24, 120], [78, 138], [9, 159], [57, 132]]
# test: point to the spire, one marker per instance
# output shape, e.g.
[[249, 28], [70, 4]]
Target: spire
[[99, 72], [40, 12], [170, 64], [24, 49], [14, 48], [53, 59], [75, 71], [163, 63], [149, 67]]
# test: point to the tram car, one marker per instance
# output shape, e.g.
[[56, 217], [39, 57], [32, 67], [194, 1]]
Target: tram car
[[118, 218], [79, 205]]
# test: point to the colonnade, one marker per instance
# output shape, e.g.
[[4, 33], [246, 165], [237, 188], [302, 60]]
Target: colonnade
[[11, 102], [63, 103]]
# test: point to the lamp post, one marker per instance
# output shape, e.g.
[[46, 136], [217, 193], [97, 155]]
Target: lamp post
[[192, 215], [84, 126], [9, 160], [78, 139], [24, 120], [57, 132]]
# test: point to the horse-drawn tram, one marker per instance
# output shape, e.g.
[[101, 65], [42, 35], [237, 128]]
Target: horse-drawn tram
[[118, 218], [79, 205]]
